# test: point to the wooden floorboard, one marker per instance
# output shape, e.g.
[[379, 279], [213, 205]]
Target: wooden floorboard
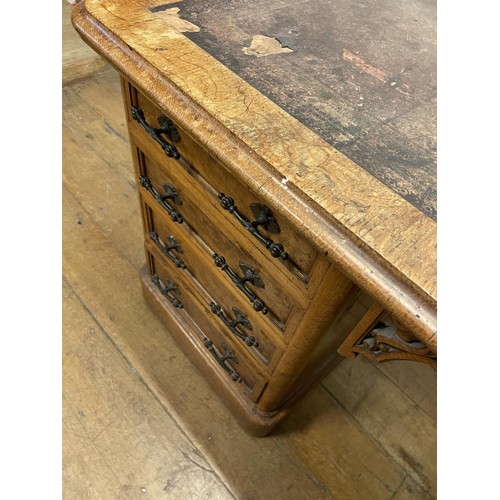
[[119, 441], [139, 419], [79, 60]]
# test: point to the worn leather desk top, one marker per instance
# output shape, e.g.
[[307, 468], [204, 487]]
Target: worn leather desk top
[[361, 75]]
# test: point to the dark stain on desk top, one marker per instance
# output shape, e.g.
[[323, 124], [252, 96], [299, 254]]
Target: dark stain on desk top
[[360, 74]]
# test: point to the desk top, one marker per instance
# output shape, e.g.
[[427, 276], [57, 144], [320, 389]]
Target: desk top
[[338, 137], [361, 75]]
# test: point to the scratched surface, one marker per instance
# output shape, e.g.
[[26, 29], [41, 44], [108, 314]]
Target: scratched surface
[[360, 74]]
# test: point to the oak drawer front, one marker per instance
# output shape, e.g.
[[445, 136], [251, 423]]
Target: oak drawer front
[[222, 353], [271, 297], [266, 303], [197, 208], [173, 245], [234, 319], [274, 236]]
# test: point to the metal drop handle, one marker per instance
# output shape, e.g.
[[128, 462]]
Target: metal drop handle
[[166, 127], [227, 356], [263, 217], [249, 275], [166, 288], [167, 249], [240, 319], [170, 194]]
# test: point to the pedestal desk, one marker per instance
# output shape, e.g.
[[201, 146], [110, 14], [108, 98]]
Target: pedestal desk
[[284, 154]]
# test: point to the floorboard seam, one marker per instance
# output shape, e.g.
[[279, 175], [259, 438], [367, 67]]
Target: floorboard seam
[[142, 380]]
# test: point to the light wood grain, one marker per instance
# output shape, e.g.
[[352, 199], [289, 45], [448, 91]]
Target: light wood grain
[[379, 240], [418, 382], [319, 450], [389, 416], [79, 61], [119, 442], [90, 265], [350, 465]]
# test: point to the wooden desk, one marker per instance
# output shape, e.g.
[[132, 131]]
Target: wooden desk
[[260, 101]]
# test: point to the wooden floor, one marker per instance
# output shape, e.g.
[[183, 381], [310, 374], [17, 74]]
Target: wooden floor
[[140, 422], [78, 59]]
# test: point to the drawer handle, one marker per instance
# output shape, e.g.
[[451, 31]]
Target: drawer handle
[[240, 319], [173, 245], [170, 194], [249, 275], [169, 286], [228, 355], [263, 217], [166, 127]]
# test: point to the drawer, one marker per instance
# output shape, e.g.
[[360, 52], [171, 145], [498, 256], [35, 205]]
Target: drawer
[[273, 235], [269, 293], [173, 245], [220, 351]]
